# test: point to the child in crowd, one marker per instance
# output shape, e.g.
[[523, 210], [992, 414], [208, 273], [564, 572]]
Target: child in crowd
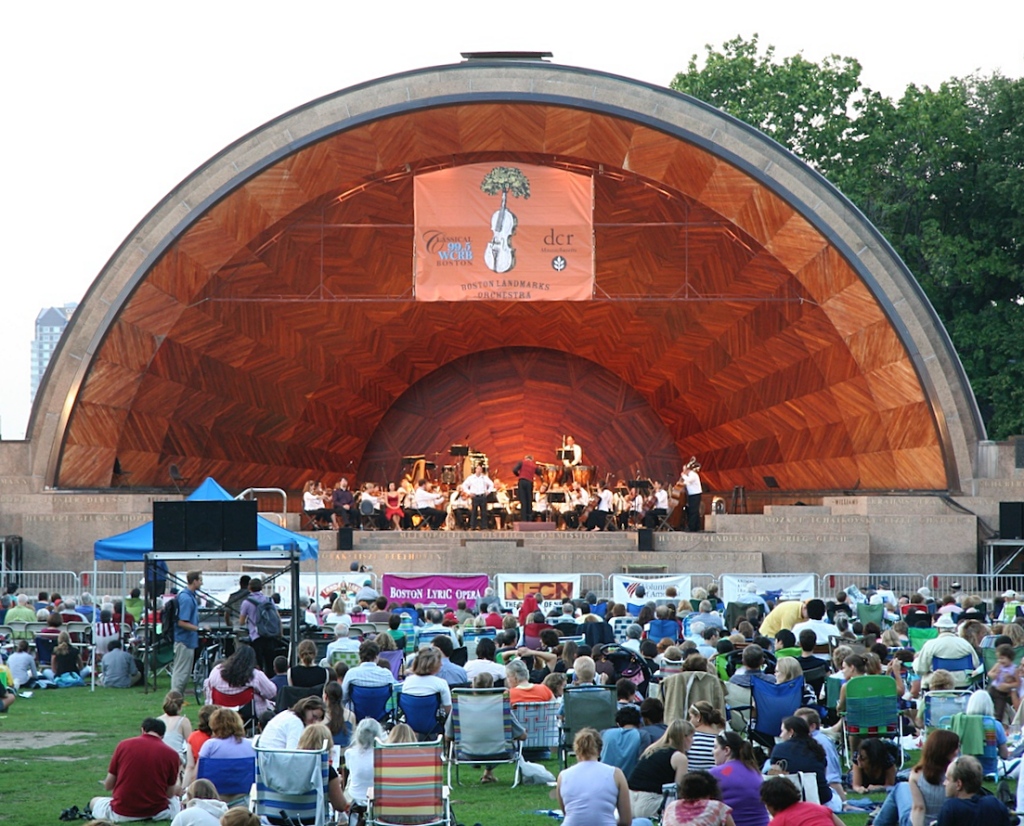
[[1004, 685]]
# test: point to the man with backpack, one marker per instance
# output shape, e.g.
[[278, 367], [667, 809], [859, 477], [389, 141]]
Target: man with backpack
[[260, 616], [186, 631]]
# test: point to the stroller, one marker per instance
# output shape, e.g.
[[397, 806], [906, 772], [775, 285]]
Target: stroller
[[629, 664]]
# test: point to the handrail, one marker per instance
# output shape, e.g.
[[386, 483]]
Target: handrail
[[246, 494]]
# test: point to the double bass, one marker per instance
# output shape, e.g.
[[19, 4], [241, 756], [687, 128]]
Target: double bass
[[677, 497]]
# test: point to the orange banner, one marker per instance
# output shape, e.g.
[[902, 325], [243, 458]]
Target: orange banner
[[490, 232]]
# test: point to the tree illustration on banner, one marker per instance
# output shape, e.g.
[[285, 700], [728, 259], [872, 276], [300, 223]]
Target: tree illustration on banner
[[499, 255]]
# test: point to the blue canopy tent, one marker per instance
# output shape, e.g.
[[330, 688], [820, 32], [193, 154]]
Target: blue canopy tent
[[133, 545], [136, 544]]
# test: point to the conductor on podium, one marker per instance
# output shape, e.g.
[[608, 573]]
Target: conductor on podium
[[526, 470]]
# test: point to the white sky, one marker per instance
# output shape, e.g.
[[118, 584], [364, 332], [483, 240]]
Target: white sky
[[107, 106]]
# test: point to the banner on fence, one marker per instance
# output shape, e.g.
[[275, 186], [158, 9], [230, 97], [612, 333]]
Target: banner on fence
[[624, 588], [791, 586], [436, 589], [220, 586], [554, 588]]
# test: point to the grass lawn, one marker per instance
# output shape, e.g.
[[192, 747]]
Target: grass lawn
[[55, 748]]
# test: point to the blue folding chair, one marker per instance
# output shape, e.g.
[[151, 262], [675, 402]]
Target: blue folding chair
[[661, 628], [964, 664], [421, 714], [771, 704], [370, 701], [232, 776]]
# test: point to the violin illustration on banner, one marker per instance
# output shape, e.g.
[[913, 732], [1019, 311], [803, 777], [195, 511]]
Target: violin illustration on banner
[[500, 255]]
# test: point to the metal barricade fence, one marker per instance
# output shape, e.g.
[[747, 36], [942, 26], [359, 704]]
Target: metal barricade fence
[[64, 583], [899, 584], [113, 583], [598, 583], [976, 584]]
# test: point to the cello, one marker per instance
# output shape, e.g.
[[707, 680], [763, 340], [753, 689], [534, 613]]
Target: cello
[[499, 255]]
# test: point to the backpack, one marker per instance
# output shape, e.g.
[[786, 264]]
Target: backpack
[[169, 620], [268, 623]]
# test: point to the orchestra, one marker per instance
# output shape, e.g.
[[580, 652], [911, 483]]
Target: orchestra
[[465, 497]]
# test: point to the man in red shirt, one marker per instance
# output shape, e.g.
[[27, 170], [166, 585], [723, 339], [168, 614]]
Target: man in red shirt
[[145, 777]]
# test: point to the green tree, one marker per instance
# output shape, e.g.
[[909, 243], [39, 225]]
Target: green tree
[[939, 172], [506, 179]]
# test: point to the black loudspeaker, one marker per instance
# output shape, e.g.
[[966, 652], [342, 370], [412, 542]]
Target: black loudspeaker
[[239, 520], [169, 526], [204, 526], [1011, 520], [645, 539], [345, 538]]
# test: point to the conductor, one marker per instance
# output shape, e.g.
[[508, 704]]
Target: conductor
[[526, 470]]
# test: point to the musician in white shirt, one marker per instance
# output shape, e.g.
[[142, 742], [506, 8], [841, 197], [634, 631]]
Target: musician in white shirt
[[571, 462], [597, 519], [660, 509], [426, 504], [477, 486], [691, 479]]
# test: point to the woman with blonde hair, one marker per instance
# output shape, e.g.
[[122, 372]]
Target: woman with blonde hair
[[239, 817], [401, 733], [788, 668], [314, 738], [338, 613], [590, 792], [178, 727], [664, 761], [707, 722], [228, 743], [201, 806]]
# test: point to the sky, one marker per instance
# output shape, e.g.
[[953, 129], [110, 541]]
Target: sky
[[107, 106]]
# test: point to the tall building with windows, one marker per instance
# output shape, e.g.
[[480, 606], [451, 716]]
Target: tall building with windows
[[50, 324]]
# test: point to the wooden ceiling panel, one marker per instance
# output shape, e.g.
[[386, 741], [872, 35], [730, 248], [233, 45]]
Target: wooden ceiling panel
[[277, 338]]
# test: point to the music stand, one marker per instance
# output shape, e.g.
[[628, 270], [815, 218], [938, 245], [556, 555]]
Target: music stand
[[641, 485], [556, 496], [566, 455], [458, 450]]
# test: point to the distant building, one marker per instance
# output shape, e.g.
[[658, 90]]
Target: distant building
[[50, 324]]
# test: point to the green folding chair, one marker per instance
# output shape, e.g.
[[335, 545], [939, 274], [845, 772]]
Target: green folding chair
[[871, 613], [919, 636], [872, 710]]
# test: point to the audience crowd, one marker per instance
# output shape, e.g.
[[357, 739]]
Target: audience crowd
[[680, 674]]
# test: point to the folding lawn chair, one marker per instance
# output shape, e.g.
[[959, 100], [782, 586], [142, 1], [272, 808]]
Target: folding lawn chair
[[244, 702], [421, 714], [370, 701], [919, 636], [482, 730], [293, 782], [233, 776], [771, 703], [940, 704], [584, 707], [872, 710], [978, 738], [408, 788], [541, 723]]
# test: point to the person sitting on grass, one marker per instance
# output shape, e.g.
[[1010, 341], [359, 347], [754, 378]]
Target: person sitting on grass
[[119, 668], [967, 802], [781, 798], [202, 806], [144, 778]]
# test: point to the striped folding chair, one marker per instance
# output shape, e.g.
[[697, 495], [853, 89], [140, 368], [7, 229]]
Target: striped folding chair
[[541, 723], [408, 787], [872, 710], [940, 704], [293, 782], [481, 730]]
